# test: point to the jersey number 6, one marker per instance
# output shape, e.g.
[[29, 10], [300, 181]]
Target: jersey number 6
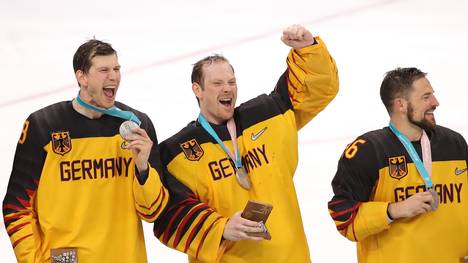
[[352, 148]]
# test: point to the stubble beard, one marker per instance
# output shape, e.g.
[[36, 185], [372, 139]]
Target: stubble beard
[[425, 123]]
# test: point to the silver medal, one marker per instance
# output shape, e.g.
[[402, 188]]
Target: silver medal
[[126, 128], [243, 178], [435, 198]]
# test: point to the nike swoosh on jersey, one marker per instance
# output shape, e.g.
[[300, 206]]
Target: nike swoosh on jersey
[[258, 134], [460, 171]]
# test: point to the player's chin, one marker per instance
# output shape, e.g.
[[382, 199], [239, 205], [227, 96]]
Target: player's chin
[[108, 103], [430, 123], [228, 116]]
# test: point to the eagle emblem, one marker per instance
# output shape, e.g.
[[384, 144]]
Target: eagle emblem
[[192, 150], [61, 142], [397, 167]]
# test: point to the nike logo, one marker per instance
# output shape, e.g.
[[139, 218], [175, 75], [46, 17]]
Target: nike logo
[[460, 171], [255, 136]]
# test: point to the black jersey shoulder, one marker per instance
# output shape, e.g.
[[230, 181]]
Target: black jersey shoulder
[[53, 118], [193, 132], [372, 142], [264, 106], [447, 144], [358, 168], [61, 117], [374, 148]]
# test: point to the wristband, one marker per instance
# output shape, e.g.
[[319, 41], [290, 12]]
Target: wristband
[[389, 217]]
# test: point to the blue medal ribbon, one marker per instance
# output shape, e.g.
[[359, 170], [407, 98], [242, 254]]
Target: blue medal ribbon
[[204, 123], [113, 111], [413, 154]]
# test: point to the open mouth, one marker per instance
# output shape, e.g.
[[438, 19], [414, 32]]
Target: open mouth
[[109, 92], [430, 112], [227, 102]]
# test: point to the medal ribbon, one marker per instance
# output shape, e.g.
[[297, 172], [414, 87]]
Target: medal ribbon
[[426, 153], [113, 111], [231, 125]]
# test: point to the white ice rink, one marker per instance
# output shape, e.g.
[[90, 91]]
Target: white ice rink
[[158, 41]]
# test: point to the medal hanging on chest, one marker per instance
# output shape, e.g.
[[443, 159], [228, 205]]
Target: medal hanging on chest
[[435, 199], [241, 174], [424, 167], [243, 178]]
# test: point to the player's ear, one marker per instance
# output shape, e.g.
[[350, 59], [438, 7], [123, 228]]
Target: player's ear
[[81, 78], [400, 105], [196, 88]]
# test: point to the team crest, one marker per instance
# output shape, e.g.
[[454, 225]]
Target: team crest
[[61, 142], [192, 150], [397, 167]]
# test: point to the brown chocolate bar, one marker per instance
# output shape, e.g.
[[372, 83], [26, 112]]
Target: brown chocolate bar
[[258, 212]]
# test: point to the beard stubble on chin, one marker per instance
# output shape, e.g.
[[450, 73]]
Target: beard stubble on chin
[[425, 123]]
